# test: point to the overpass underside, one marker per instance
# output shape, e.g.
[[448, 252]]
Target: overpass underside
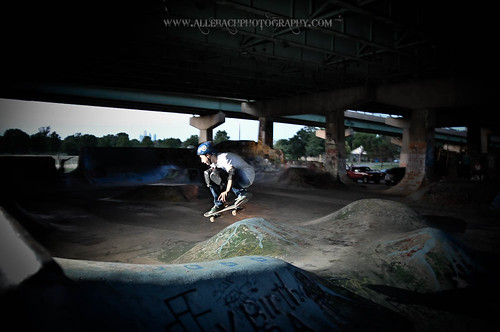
[[422, 106], [419, 60]]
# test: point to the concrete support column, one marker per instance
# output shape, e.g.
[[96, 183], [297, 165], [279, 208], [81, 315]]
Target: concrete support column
[[206, 124], [266, 131], [405, 139], [477, 145], [485, 138], [420, 147], [335, 154]]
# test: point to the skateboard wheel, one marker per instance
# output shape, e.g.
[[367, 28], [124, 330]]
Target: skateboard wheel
[[212, 219], [234, 212]]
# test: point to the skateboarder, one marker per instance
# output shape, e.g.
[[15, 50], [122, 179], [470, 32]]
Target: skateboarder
[[227, 172]]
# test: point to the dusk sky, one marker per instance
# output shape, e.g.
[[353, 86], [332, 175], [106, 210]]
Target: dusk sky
[[99, 121]]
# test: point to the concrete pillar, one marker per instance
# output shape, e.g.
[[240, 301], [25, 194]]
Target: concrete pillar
[[266, 131], [477, 145], [206, 124], [474, 140], [420, 147], [322, 133], [485, 135], [335, 145], [405, 139]]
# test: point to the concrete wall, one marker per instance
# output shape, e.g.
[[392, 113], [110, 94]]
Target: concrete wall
[[129, 166]]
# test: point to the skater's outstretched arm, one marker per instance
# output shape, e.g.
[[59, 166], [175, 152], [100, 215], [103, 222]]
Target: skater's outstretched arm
[[223, 195]]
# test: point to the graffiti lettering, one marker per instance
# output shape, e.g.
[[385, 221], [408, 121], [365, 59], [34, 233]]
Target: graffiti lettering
[[184, 317], [256, 316], [271, 306], [232, 322]]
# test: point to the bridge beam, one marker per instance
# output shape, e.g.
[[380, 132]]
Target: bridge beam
[[206, 124]]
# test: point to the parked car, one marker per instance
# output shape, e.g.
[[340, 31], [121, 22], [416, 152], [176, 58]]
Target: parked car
[[364, 173], [394, 175]]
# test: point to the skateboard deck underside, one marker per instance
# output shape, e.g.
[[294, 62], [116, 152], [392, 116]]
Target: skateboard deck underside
[[233, 208]]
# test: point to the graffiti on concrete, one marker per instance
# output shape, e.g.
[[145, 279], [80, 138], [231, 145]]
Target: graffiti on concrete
[[184, 314], [277, 302], [250, 293]]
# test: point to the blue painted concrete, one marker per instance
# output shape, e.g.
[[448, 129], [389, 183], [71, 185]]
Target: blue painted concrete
[[250, 293]]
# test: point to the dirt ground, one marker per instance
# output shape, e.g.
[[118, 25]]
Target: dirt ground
[[354, 235], [155, 224]]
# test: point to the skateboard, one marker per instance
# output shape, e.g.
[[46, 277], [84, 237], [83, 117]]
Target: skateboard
[[234, 208]]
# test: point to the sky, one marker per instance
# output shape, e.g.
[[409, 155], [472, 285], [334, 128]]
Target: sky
[[68, 120]]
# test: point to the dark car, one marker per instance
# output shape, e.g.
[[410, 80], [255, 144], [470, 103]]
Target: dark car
[[364, 173], [394, 175]]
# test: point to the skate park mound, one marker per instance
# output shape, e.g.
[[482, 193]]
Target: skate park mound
[[426, 260], [254, 236], [371, 215], [376, 247], [423, 273], [306, 178], [372, 241], [391, 244]]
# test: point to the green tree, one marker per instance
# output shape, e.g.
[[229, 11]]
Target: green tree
[[39, 142], [70, 144], [347, 149], [221, 136], [135, 143], [122, 140], [88, 141], [169, 143], [118, 140], [376, 146], [303, 143], [314, 145], [74, 143], [16, 141], [147, 142], [191, 142], [106, 141], [283, 144], [54, 142]]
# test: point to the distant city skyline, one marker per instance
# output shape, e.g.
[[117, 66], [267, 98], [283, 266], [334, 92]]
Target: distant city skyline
[[146, 134], [67, 120]]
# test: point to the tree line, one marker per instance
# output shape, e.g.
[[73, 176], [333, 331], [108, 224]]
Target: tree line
[[47, 142], [303, 144]]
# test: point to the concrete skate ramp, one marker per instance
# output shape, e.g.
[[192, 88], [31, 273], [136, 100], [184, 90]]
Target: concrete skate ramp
[[374, 241], [240, 294], [376, 249], [138, 166]]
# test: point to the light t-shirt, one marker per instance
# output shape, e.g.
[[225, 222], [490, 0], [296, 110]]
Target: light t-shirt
[[227, 159]]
